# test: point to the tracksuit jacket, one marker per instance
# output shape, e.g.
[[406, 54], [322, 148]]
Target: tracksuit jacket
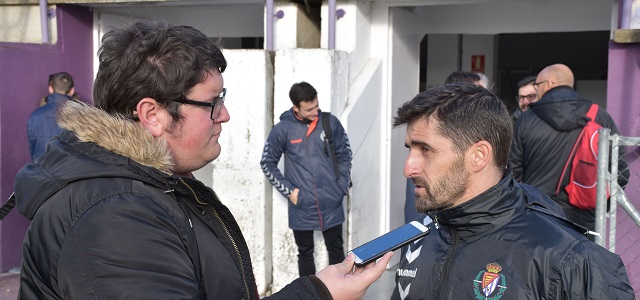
[[42, 125], [308, 166], [110, 221], [542, 141], [508, 243]]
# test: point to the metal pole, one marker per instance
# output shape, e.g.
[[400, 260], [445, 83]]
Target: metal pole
[[601, 186], [44, 22], [623, 200], [332, 24], [269, 20], [625, 14], [615, 191]]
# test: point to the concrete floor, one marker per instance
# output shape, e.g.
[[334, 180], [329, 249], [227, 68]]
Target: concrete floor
[[9, 283]]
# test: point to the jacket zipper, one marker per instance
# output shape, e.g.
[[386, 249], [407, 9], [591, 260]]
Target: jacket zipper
[[447, 264], [315, 191], [226, 230]]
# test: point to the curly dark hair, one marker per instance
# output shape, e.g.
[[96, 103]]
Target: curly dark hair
[[151, 59]]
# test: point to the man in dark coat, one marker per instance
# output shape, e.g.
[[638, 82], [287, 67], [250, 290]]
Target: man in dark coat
[[116, 213], [544, 136], [491, 236]]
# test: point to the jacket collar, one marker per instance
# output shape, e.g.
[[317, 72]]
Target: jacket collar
[[115, 133], [290, 115], [56, 97], [558, 93], [486, 211], [562, 108]]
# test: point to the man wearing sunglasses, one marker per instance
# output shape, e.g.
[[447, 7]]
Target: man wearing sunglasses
[[116, 213]]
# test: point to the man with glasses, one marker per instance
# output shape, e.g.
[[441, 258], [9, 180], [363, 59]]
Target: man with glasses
[[543, 140], [526, 95], [216, 104], [116, 213], [316, 173]]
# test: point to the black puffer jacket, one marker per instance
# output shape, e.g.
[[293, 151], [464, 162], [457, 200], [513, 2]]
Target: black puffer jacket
[[111, 222], [542, 141], [504, 244]]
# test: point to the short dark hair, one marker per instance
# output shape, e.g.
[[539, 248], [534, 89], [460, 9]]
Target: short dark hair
[[61, 82], [526, 81], [462, 76], [300, 92], [466, 113], [152, 59]]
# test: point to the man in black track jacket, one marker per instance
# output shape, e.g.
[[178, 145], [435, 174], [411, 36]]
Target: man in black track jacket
[[491, 236], [544, 136]]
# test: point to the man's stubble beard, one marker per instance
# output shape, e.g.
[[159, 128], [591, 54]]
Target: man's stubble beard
[[445, 191]]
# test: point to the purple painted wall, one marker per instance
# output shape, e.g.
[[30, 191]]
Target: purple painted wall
[[23, 81], [623, 96], [623, 103]]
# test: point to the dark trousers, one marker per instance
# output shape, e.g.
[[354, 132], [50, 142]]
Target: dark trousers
[[304, 240]]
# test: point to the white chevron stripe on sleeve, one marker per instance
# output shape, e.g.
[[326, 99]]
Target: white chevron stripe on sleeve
[[412, 255], [275, 182], [403, 292]]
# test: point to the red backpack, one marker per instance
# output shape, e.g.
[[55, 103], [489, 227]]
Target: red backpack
[[584, 165]]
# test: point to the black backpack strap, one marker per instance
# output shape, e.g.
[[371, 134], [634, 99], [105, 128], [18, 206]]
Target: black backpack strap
[[7, 207], [328, 137]]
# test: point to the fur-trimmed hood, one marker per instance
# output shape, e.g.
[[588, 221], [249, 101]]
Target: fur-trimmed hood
[[94, 144], [115, 133]]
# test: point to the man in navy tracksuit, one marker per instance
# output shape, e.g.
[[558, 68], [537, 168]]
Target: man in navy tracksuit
[[314, 188], [42, 125]]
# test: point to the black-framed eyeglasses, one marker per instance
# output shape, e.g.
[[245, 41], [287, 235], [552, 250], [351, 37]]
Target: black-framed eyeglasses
[[530, 97], [216, 104], [536, 84]]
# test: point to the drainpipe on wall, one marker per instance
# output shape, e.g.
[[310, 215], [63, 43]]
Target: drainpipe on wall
[[332, 24], [44, 22], [269, 18], [625, 16]]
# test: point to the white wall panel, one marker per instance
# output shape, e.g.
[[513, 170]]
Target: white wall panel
[[236, 175], [495, 17]]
